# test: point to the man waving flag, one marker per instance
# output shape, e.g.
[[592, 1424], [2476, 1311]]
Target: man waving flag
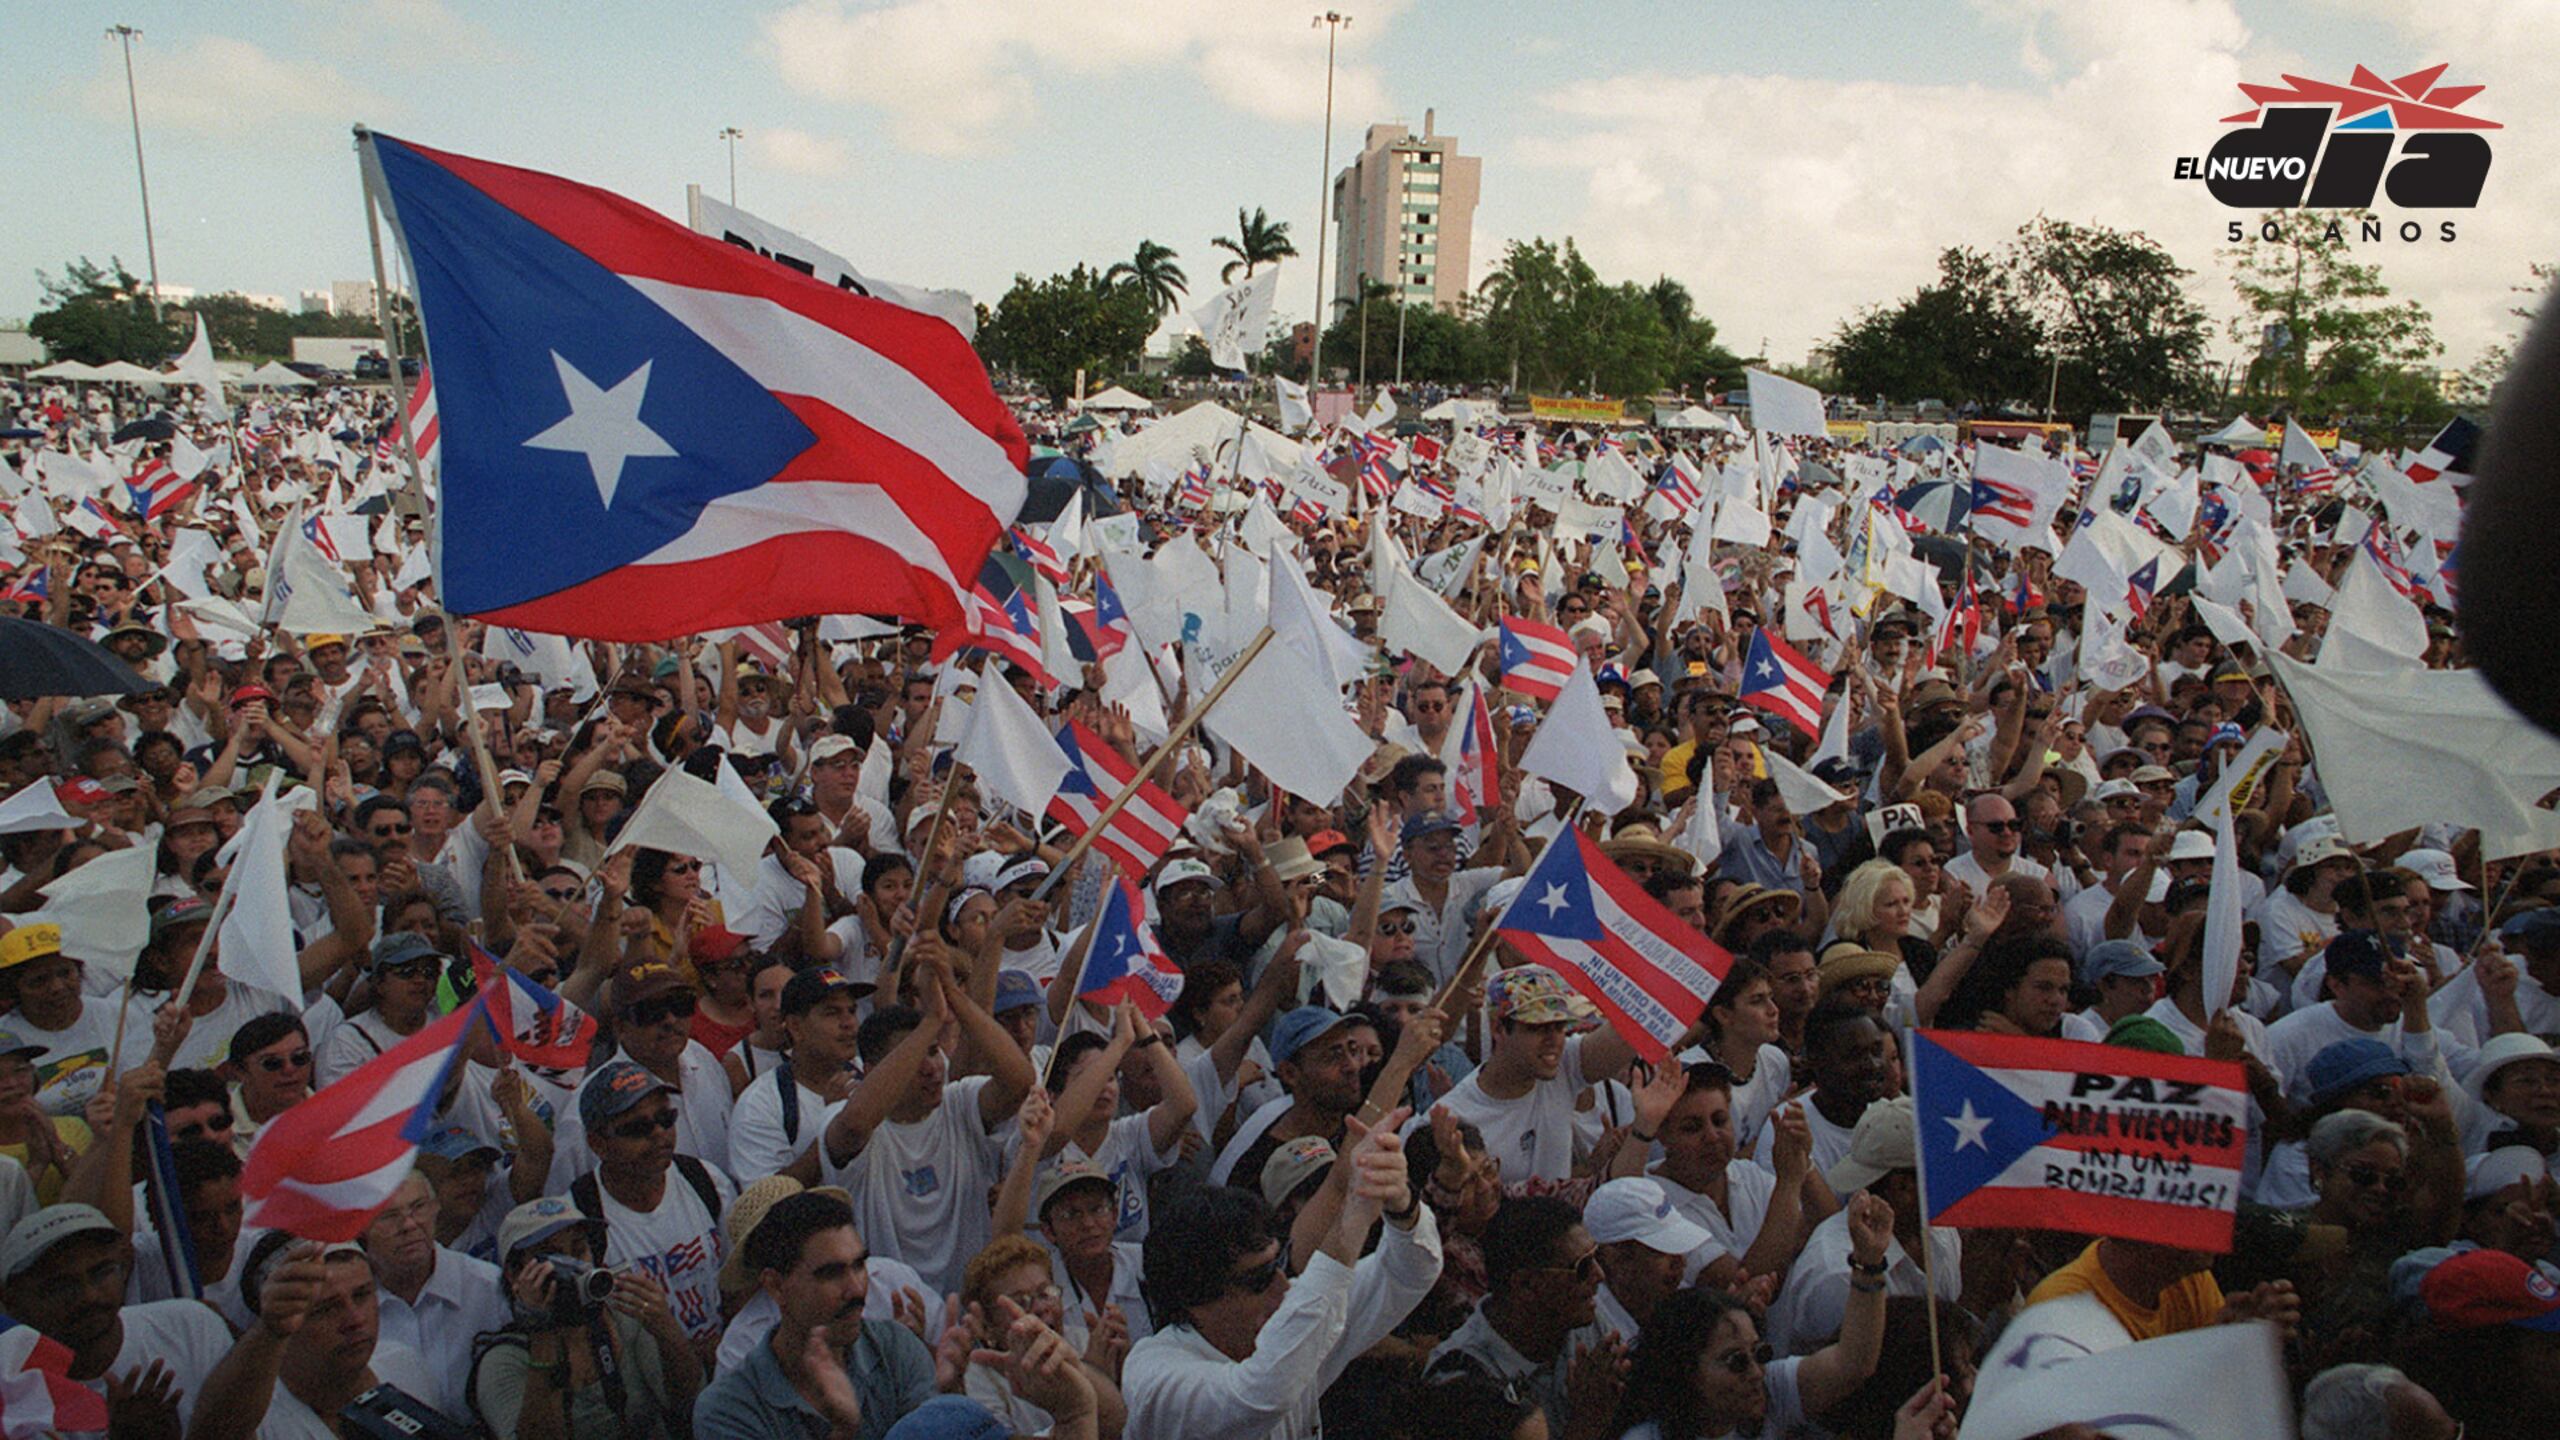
[[1589, 921], [1777, 678], [647, 432]]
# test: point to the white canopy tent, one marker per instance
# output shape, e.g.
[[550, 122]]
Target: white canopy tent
[[2241, 431], [1697, 417], [64, 370], [1459, 412], [1204, 433], [274, 376], [1116, 398], [127, 373]]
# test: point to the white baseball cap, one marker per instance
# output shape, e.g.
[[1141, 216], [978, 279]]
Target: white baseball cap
[[1637, 1208], [2191, 845], [2433, 866]]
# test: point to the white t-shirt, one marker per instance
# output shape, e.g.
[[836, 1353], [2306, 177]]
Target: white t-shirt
[[679, 1245], [1830, 1142], [185, 1335], [1533, 1135], [1756, 1099], [1969, 870], [75, 1057], [360, 1039], [757, 1145], [393, 1364], [208, 1043], [2289, 930], [1747, 1189], [920, 1189], [1128, 1155]]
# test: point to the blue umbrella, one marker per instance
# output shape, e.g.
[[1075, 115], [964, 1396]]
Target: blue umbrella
[[1942, 505], [1922, 445], [37, 659]]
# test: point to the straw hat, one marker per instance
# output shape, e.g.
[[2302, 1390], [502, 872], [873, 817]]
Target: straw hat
[[748, 1211]]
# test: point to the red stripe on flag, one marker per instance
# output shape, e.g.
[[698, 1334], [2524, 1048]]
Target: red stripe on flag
[[2186, 1227]]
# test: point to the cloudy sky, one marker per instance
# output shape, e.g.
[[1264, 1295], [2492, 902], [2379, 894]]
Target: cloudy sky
[[1791, 163]]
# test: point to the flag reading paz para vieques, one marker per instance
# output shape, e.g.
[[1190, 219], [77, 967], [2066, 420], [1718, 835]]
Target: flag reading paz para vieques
[[2096, 1139]]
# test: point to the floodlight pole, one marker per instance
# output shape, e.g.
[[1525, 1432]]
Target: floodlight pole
[[1333, 21], [125, 35]]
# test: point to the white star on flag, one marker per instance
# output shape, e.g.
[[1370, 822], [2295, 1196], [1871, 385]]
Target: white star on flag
[[1554, 900], [1969, 1128], [603, 425]]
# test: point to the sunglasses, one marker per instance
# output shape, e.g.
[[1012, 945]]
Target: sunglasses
[[1741, 1362], [1259, 1279], [662, 1008], [414, 970], [385, 832], [643, 1129], [1406, 928], [1586, 1268], [2370, 1177], [683, 867], [566, 894], [220, 1121], [278, 1064], [2002, 827]]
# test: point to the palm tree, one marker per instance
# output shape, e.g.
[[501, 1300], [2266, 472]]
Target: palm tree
[[1259, 240], [1153, 271]]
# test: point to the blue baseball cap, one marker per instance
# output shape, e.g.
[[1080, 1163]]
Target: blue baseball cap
[[1014, 990], [616, 1086], [1303, 1027], [2118, 957], [1418, 826], [2533, 927], [2343, 1065], [950, 1417]]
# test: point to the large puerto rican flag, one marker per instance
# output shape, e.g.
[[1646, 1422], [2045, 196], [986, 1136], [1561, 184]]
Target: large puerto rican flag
[[648, 432], [2038, 1134], [1590, 922]]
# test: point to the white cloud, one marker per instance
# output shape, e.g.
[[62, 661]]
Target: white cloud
[[230, 89], [953, 75], [798, 152], [404, 33], [1789, 202]]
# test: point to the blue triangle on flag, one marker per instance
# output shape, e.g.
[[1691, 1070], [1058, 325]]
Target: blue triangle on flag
[[1971, 1126], [1556, 903]]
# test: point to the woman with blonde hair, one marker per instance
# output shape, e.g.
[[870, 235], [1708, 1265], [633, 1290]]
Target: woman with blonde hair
[[1875, 911]]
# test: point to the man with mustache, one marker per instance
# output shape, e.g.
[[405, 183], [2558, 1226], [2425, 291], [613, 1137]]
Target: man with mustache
[[63, 1270]]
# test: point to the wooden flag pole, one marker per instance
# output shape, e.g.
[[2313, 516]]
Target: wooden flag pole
[[1155, 762]]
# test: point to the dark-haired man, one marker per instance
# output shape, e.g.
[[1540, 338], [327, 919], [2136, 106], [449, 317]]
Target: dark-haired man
[[825, 1370]]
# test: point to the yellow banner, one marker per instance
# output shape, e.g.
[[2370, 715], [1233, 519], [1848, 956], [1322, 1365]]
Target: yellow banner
[[1580, 412], [1848, 432], [2325, 439]]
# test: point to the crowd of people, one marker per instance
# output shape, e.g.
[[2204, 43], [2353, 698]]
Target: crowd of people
[[857, 1151]]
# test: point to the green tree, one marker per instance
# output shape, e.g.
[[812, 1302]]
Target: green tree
[[2480, 383], [1966, 338], [1697, 364], [1043, 331], [2114, 304], [1259, 240], [94, 314], [2331, 341], [242, 329], [1153, 273]]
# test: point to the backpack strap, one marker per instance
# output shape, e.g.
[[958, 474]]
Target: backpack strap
[[698, 1175]]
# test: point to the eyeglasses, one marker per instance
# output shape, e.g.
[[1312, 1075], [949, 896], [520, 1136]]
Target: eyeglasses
[[277, 1064], [1259, 1279], [1586, 1268], [2002, 827], [566, 894], [414, 970], [661, 1008], [1742, 1362], [220, 1121], [643, 1128], [1406, 928], [2371, 1177], [1025, 1299]]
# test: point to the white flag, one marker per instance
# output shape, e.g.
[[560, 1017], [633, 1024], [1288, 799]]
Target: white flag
[[727, 222], [196, 368], [688, 816], [1235, 318], [2222, 919], [1780, 406], [36, 807], [100, 907], [1295, 413], [1013, 753], [1578, 749], [257, 936], [307, 595], [1288, 723], [2054, 1366], [1419, 622]]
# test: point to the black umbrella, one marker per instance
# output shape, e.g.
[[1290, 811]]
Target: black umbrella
[[1053, 478], [149, 427], [21, 432], [37, 659]]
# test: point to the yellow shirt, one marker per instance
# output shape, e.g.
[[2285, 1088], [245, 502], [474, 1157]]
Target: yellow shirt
[[2190, 1304], [74, 1134]]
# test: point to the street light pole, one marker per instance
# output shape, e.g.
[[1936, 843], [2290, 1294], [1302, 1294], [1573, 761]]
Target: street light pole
[[1333, 21], [126, 35], [732, 134]]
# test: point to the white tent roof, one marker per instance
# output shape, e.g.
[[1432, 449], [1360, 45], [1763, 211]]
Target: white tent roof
[[274, 376], [127, 372], [2241, 431], [1116, 398], [65, 370], [1205, 432], [1453, 410], [1697, 417]]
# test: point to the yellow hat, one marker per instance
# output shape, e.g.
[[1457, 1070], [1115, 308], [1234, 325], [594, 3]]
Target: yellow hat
[[29, 942], [314, 642]]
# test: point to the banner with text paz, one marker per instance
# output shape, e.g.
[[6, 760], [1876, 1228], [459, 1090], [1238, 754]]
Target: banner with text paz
[[2033, 1134], [1571, 410]]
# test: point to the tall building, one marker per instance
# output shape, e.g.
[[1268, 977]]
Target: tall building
[[1404, 212], [350, 297]]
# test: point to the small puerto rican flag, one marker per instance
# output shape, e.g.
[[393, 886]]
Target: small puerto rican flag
[[1124, 962], [1537, 658], [1779, 679]]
